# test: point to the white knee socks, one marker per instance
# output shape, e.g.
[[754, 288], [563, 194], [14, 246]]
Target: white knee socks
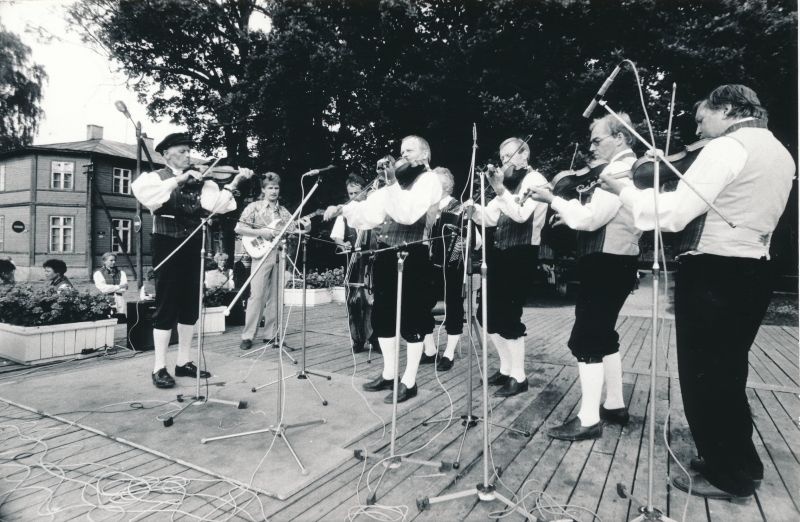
[[502, 351], [612, 368], [185, 333], [160, 343], [413, 353], [388, 351], [516, 352], [430, 345], [591, 377], [452, 342]]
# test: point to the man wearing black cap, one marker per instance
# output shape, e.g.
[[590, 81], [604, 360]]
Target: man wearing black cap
[[179, 198]]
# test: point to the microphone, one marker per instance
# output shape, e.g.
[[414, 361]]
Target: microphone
[[316, 172], [603, 88]]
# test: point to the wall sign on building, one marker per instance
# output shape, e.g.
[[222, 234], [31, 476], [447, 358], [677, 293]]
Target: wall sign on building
[[18, 226]]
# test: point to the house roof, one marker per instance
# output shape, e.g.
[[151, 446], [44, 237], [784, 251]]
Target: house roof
[[107, 147]]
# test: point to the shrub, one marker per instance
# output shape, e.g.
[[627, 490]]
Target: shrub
[[314, 279], [24, 305]]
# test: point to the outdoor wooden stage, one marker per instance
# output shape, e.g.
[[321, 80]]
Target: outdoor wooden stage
[[582, 474]]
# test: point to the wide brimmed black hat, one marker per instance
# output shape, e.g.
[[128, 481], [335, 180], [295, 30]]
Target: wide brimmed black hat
[[176, 138]]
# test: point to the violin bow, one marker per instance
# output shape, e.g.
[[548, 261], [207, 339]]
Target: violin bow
[[671, 112], [575, 153]]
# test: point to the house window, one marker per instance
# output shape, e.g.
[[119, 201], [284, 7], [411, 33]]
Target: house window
[[2, 178], [121, 229], [62, 233], [121, 181], [61, 174], [2, 233]]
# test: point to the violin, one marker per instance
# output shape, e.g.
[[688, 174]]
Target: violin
[[644, 168]]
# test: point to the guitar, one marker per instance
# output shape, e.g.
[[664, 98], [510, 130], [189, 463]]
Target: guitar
[[257, 246]]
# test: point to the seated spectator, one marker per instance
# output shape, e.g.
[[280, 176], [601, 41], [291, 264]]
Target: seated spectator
[[217, 276], [112, 281], [7, 269], [54, 270]]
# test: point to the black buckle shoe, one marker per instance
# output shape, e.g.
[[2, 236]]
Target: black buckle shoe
[[378, 384], [403, 394], [162, 379], [246, 344], [498, 379], [572, 430], [427, 359], [444, 364], [615, 416], [698, 464], [359, 349], [190, 370], [512, 387]]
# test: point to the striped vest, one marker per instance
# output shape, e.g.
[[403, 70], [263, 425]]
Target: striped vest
[[393, 233], [182, 212]]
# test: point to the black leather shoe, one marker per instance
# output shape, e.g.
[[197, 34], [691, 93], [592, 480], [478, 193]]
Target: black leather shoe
[[572, 430], [403, 394], [698, 464], [162, 379], [497, 379], [703, 488], [378, 384], [427, 359], [444, 364], [512, 387], [359, 349], [190, 370], [246, 344], [615, 416]]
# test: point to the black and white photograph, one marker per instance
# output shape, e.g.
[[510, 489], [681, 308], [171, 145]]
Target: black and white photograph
[[399, 260]]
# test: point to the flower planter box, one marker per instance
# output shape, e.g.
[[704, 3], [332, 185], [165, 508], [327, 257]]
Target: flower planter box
[[314, 296], [25, 344], [338, 294], [214, 320]]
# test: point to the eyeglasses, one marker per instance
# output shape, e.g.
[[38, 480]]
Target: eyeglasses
[[597, 141]]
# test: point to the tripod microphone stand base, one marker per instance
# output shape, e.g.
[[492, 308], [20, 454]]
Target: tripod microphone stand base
[[278, 431], [305, 375], [395, 462], [645, 514], [486, 493], [201, 400], [286, 349]]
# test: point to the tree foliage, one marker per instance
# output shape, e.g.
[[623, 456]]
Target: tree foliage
[[20, 92]]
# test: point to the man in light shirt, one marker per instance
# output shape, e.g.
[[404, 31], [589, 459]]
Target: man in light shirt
[[724, 280]]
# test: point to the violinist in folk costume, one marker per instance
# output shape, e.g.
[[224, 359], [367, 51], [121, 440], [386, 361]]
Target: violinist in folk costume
[[511, 260], [447, 258], [112, 281], [265, 218], [724, 279], [179, 197], [607, 253], [401, 210], [359, 298]]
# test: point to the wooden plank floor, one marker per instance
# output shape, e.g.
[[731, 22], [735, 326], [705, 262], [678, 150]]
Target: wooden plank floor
[[53, 470]]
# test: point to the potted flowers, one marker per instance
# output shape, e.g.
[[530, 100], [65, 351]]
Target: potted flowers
[[43, 323], [318, 288], [338, 292], [215, 301]]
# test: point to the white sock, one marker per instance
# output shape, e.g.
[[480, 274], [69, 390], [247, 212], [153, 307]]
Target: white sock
[[160, 343], [430, 345], [516, 352], [387, 349], [185, 333], [452, 342], [413, 353], [591, 376], [612, 368], [502, 351]]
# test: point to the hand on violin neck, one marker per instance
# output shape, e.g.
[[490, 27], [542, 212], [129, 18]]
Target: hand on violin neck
[[332, 212]]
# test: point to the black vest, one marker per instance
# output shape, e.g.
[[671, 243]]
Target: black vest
[[182, 212]]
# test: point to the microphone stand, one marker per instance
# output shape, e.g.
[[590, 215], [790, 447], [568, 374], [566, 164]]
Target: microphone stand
[[393, 460], [303, 373], [647, 512], [485, 491], [468, 420], [279, 428], [198, 399]]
